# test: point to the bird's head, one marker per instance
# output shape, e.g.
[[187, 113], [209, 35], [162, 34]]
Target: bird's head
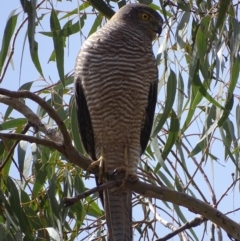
[[142, 17]]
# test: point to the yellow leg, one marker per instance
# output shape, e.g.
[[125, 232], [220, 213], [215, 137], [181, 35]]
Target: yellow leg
[[100, 164], [125, 168]]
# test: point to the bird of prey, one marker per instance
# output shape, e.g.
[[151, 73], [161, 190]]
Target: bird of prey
[[116, 79]]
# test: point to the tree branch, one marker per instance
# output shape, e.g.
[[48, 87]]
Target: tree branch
[[193, 204], [31, 139], [68, 201], [32, 117], [51, 112], [167, 224], [188, 225], [8, 97], [69, 152]]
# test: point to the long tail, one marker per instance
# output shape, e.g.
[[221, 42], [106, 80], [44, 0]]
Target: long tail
[[118, 209]]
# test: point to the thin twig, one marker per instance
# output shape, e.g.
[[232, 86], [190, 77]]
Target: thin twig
[[158, 217], [191, 224], [233, 211], [224, 194], [199, 167], [186, 171]]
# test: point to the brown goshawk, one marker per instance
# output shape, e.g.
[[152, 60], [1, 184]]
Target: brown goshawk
[[116, 79]]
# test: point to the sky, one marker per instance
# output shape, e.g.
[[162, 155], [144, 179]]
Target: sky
[[219, 174]]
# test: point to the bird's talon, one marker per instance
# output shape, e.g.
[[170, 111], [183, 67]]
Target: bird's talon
[[100, 164], [122, 173], [123, 183], [132, 178], [93, 165]]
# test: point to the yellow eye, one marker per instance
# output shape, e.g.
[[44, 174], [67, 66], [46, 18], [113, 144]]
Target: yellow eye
[[145, 16]]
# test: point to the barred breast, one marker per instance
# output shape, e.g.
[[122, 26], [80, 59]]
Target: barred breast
[[116, 71]]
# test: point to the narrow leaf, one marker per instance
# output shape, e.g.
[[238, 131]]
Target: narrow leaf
[[202, 89], [234, 73], [18, 122], [102, 7], [40, 175], [202, 39], [57, 102], [172, 135], [22, 148], [227, 110], [74, 127], [235, 68], [34, 56], [236, 37], [28, 7], [238, 120], [7, 35], [224, 5], [52, 198], [182, 28], [96, 24], [58, 43], [227, 150], [82, 7], [26, 86], [195, 100], [180, 95], [54, 235], [93, 209], [68, 29], [171, 92], [17, 209]]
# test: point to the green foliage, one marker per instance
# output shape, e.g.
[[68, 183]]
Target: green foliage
[[8, 33], [197, 122]]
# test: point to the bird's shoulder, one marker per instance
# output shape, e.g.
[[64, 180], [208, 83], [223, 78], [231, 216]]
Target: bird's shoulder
[[116, 35]]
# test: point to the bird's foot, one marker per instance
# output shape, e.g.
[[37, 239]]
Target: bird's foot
[[123, 173], [132, 177], [100, 164]]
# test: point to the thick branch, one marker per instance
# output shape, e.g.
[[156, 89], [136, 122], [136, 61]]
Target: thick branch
[[32, 117], [31, 139], [69, 152], [193, 204], [8, 97], [51, 112]]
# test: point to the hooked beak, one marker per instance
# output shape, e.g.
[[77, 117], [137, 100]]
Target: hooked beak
[[158, 29]]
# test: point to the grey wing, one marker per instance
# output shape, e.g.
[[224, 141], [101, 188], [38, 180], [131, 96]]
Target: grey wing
[[150, 109], [85, 125], [84, 120]]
